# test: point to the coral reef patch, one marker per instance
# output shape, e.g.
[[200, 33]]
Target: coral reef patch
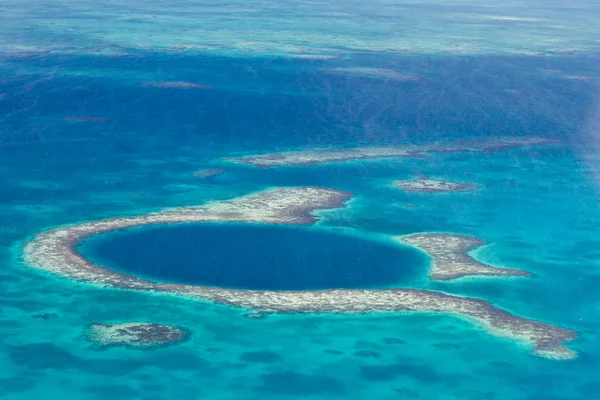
[[450, 256], [136, 334]]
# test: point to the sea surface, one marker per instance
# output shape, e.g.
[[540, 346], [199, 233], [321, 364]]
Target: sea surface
[[87, 132]]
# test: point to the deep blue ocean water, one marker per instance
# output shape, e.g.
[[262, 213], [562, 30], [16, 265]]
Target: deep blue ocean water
[[243, 256], [538, 208]]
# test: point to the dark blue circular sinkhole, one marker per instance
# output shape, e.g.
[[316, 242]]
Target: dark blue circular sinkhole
[[246, 256]]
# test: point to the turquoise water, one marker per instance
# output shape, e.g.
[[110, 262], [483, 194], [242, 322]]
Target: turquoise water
[[138, 146], [254, 257]]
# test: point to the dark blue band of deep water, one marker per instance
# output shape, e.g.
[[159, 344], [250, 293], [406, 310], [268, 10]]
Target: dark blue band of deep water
[[253, 257]]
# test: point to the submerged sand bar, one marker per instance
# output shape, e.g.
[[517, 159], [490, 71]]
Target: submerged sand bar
[[383, 73], [55, 251], [207, 173], [323, 156], [450, 256], [177, 85]]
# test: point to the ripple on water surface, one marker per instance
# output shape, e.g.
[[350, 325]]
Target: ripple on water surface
[[254, 257]]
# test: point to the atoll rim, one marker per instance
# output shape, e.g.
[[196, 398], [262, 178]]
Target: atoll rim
[[55, 251]]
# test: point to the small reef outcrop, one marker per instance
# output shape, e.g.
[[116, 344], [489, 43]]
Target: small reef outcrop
[[207, 173], [426, 185], [136, 334]]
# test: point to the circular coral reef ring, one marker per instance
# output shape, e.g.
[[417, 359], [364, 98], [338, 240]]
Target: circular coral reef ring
[[136, 334], [55, 251]]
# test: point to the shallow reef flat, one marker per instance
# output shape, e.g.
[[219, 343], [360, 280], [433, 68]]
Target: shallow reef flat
[[425, 185], [55, 251], [317, 28], [450, 256], [489, 144], [323, 156], [136, 334], [547, 340]]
